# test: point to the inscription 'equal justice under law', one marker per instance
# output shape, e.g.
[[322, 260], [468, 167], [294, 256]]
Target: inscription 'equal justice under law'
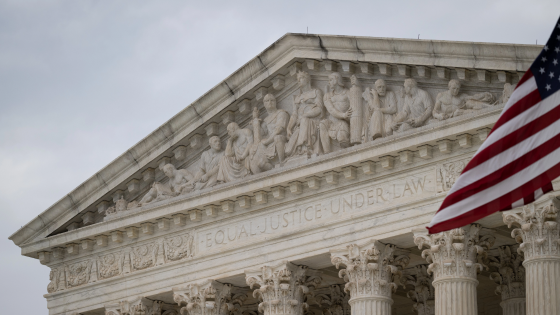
[[301, 215]]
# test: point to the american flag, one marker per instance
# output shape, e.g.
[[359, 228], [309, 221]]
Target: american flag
[[521, 156]]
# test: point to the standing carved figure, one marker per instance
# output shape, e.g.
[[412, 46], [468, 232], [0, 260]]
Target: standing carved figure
[[417, 108], [234, 164], [382, 106], [337, 103], [180, 181], [357, 110], [273, 128], [207, 175], [452, 104], [303, 127]]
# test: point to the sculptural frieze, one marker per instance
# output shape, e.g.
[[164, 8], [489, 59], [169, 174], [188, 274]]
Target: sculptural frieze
[[336, 127], [207, 175]]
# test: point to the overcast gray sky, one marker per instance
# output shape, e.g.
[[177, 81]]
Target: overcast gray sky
[[82, 81]]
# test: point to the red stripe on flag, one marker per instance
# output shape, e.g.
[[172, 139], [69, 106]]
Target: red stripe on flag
[[502, 203], [503, 173]]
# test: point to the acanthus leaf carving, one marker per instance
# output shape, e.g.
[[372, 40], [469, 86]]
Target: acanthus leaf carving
[[209, 298]]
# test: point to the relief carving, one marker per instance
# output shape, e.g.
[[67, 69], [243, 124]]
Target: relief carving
[[180, 181], [110, 265], [130, 259], [509, 274], [207, 175], [423, 294], [209, 298], [335, 303], [451, 103], [179, 247], [303, 127]]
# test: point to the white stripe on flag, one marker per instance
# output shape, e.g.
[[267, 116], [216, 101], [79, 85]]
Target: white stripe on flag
[[520, 92]]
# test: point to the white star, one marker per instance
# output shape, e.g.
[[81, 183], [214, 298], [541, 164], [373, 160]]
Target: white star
[[555, 62], [557, 49], [545, 47], [541, 70], [551, 75], [543, 59], [548, 87]]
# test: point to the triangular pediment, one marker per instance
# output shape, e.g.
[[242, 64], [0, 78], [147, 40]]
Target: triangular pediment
[[136, 181]]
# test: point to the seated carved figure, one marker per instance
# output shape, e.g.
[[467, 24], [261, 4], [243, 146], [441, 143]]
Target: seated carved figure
[[382, 105], [417, 109], [337, 103], [234, 164], [180, 181], [303, 127], [269, 136], [451, 103], [207, 175]]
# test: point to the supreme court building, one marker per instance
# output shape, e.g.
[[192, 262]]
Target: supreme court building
[[302, 185]]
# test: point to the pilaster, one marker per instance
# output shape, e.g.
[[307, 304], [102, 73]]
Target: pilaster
[[373, 272], [283, 289], [538, 234], [455, 258]]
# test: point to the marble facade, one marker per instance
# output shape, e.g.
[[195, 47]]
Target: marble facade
[[301, 185]]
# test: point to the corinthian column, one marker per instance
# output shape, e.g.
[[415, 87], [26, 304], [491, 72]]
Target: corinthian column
[[455, 258], [209, 298], [282, 288], [510, 277], [423, 294], [372, 274], [540, 244]]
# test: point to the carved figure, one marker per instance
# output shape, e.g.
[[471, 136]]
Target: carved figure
[[303, 127], [452, 104], [508, 89], [207, 175], [273, 128], [382, 105], [417, 108], [234, 164], [337, 103], [180, 181]]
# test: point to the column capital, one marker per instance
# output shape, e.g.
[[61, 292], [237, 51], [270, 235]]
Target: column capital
[[509, 273], [457, 253], [538, 229], [283, 287], [140, 306], [209, 297], [373, 269]]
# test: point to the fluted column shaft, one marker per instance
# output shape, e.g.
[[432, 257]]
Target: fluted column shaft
[[456, 296], [543, 286], [370, 305]]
